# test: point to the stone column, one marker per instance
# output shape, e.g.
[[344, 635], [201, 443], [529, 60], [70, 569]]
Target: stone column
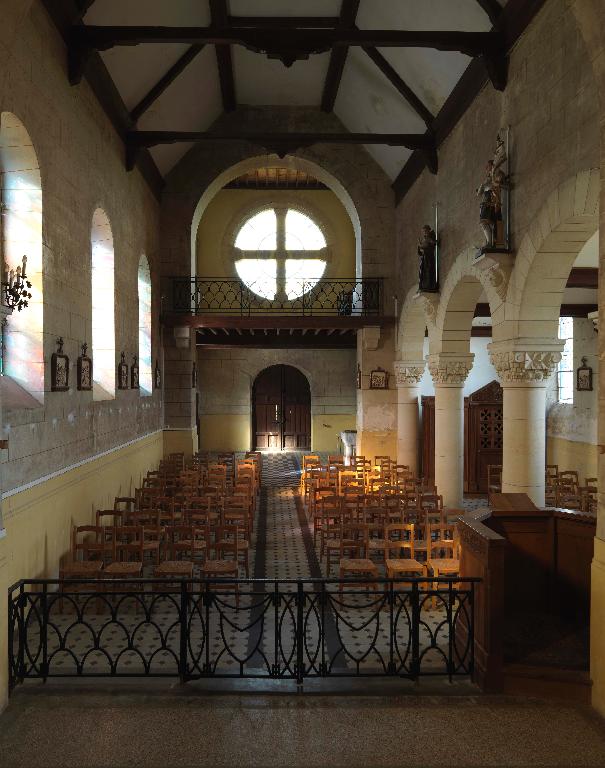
[[524, 375], [407, 378], [449, 372]]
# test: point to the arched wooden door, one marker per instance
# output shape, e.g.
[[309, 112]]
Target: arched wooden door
[[281, 411]]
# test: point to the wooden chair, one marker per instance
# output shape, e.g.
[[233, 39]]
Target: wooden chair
[[443, 555], [230, 540], [187, 542], [400, 538], [326, 512], [87, 557], [353, 543]]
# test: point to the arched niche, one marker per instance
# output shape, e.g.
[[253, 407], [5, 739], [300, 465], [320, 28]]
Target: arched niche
[[249, 164], [21, 235], [103, 307], [144, 302]]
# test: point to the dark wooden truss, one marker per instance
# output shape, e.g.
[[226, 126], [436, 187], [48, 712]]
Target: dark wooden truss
[[282, 143], [291, 39]]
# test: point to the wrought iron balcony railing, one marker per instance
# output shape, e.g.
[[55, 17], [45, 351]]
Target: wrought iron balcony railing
[[247, 628], [225, 296]]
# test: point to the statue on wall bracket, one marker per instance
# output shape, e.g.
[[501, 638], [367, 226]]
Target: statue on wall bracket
[[494, 194], [427, 260]]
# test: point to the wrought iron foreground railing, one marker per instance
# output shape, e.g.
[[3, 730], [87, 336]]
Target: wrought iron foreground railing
[[287, 630], [343, 297]]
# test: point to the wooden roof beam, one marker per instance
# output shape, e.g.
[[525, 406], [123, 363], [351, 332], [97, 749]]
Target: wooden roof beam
[[283, 143], [273, 40], [492, 8], [400, 85], [164, 82], [338, 57], [220, 19], [512, 22]]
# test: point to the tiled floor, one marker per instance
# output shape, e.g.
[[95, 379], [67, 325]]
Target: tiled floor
[[164, 728]]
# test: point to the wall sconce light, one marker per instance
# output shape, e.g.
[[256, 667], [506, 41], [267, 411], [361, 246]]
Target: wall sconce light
[[16, 290]]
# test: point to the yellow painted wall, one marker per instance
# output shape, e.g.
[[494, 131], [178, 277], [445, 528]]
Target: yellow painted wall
[[39, 519], [582, 457], [180, 441], [225, 432], [232, 432], [370, 444], [220, 213], [325, 429]]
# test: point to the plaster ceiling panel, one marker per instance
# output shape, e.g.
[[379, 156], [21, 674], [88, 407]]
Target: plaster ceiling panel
[[464, 15], [368, 103], [432, 75], [149, 12], [136, 69], [259, 80], [167, 156], [284, 7], [193, 100]]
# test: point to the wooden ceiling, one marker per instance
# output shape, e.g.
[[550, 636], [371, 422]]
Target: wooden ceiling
[[276, 178], [397, 73]]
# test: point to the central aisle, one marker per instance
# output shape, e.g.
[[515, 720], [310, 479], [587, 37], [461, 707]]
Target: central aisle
[[283, 541]]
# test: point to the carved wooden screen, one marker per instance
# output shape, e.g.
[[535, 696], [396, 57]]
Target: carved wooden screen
[[483, 435]]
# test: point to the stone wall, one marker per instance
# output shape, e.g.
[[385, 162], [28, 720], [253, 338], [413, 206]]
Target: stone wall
[[226, 376], [81, 161], [552, 112]]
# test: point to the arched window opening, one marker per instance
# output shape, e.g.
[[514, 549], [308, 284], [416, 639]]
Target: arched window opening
[[21, 235], [103, 308], [565, 368], [144, 291], [280, 252]]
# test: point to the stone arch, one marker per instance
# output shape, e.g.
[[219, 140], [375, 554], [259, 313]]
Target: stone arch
[[414, 320], [21, 232], [269, 161], [467, 279], [280, 359], [545, 257]]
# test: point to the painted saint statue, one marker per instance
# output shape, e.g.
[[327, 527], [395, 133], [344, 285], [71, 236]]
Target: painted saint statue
[[427, 267]]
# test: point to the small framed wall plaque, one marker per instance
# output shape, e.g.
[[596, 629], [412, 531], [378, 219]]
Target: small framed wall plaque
[[157, 376], [122, 372], [358, 377], [584, 377], [379, 379], [134, 373], [84, 370], [59, 369]]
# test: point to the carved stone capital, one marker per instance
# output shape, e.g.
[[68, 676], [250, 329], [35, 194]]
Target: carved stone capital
[[408, 373], [524, 366], [447, 369]]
